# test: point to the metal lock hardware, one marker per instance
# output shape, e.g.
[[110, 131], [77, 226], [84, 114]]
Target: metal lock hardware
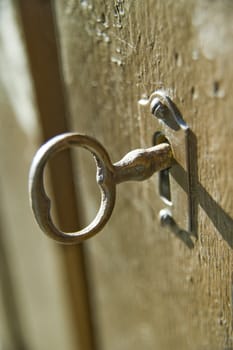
[[137, 165], [175, 129]]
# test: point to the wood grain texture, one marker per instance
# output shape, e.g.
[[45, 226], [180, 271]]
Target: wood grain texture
[[149, 289]]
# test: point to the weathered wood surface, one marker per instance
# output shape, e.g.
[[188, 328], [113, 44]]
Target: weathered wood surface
[[150, 290]]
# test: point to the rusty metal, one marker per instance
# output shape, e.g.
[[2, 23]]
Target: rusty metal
[[137, 165]]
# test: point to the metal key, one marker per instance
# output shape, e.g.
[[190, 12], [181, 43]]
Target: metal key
[[137, 165]]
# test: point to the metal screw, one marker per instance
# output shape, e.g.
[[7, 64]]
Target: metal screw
[[160, 110], [165, 217]]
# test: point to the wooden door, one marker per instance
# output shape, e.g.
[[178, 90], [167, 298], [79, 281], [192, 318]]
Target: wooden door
[[149, 289]]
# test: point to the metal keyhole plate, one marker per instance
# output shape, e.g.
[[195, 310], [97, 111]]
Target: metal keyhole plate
[[176, 191]]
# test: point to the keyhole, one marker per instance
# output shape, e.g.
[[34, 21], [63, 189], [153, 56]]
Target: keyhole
[[164, 177]]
